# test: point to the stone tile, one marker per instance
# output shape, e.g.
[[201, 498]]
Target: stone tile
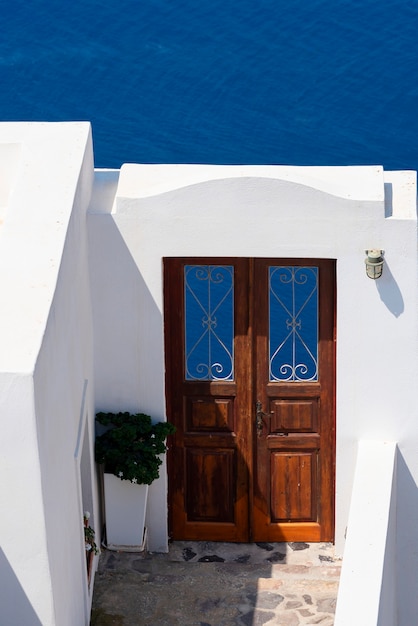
[[293, 604], [299, 545], [211, 558], [188, 554], [305, 612], [265, 546], [324, 557], [327, 605], [268, 600]]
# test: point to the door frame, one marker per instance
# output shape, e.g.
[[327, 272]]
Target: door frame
[[174, 344]]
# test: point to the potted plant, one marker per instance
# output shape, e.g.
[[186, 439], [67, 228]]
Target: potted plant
[[130, 451], [89, 543]]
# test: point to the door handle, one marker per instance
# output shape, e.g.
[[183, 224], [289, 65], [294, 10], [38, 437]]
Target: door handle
[[259, 415], [259, 421]]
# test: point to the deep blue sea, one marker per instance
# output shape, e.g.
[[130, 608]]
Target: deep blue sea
[[310, 82]]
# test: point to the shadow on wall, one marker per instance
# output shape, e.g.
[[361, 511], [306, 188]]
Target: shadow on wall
[[407, 550], [126, 320], [15, 606], [128, 333], [389, 292]]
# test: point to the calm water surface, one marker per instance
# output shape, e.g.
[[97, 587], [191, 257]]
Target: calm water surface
[[255, 81]]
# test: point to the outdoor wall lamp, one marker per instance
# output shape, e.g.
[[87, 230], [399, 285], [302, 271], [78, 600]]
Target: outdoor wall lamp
[[374, 263]]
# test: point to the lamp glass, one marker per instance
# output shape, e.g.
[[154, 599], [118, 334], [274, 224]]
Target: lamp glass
[[374, 263]]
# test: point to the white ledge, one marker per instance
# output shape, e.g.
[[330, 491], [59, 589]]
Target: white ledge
[[350, 182]]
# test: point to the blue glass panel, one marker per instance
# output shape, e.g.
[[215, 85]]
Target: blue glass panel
[[209, 322], [293, 323]]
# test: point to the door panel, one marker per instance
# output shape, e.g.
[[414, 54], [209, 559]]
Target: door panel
[[207, 399], [253, 455], [292, 478], [206, 470], [295, 392]]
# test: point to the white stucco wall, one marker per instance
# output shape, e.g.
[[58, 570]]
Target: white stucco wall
[[136, 217], [271, 211], [46, 374]]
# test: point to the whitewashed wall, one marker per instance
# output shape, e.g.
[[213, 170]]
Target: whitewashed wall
[[64, 406], [46, 377], [135, 219], [248, 211]]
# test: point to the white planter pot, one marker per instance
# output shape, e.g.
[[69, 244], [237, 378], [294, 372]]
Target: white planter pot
[[125, 508]]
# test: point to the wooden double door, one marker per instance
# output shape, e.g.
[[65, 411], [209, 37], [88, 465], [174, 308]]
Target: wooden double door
[[250, 387]]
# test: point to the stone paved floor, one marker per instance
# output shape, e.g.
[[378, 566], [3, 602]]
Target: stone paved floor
[[218, 584]]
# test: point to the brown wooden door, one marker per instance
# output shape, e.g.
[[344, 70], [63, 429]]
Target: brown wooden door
[[253, 455]]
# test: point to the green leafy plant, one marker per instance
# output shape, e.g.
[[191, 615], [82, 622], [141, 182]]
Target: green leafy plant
[[131, 446], [89, 535]]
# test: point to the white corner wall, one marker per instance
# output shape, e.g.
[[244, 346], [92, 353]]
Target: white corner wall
[[270, 211], [46, 375]]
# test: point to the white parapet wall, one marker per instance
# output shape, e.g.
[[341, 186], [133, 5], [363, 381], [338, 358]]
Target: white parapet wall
[[367, 593]]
